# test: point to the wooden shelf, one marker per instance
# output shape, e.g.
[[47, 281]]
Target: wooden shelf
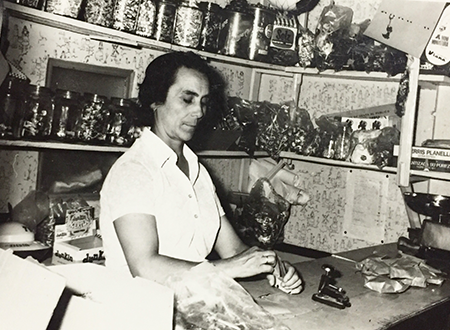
[[333, 162]]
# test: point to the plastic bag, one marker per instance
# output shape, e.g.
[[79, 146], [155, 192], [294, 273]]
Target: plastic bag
[[264, 215], [207, 299]]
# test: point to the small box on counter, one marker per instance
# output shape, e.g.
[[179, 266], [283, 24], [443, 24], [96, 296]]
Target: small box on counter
[[77, 239], [79, 250]]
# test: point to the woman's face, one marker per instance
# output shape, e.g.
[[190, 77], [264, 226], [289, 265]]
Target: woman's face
[[185, 105]]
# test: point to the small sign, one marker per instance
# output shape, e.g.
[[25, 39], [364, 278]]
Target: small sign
[[406, 25]]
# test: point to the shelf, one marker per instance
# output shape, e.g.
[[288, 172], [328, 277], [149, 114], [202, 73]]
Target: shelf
[[431, 175], [333, 162], [96, 32], [37, 145], [105, 34]]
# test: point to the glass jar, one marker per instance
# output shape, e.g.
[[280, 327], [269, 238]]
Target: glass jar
[[125, 15], [188, 26], [37, 116], [99, 12], [11, 106], [146, 18], [91, 123], [120, 121], [67, 108], [165, 20], [70, 8], [212, 23]]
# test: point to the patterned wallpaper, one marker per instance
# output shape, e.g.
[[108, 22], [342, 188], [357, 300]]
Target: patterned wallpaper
[[319, 225]]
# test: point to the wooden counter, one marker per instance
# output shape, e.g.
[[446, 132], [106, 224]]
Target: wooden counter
[[370, 310]]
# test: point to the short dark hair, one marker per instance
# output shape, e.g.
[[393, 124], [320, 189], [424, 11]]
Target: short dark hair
[[161, 73]]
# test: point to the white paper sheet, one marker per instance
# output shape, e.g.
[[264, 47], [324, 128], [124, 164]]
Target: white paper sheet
[[365, 208]]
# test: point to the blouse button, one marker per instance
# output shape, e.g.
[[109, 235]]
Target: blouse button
[[195, 216], [190, 196]]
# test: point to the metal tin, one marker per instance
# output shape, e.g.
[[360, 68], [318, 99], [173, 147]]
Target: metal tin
[[165, 20], [234, 39], [188, 26], [146, 19], [261, 33], [212, 23]]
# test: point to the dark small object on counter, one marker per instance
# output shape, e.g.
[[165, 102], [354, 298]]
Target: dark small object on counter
[[328, 293]]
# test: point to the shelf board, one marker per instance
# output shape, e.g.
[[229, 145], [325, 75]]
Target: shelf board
[[431, 175], [36, 145], [333, 162]]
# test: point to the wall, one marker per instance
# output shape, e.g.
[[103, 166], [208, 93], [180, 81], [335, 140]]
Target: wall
[[335, 204]]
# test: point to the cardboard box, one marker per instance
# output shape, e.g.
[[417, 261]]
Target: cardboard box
[[79, 250], [78, 296]]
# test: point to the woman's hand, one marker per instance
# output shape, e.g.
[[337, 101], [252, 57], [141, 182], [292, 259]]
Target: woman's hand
[[251, 262], [290, 283]]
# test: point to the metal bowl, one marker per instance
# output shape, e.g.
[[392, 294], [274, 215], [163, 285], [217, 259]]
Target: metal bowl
[[434, 206]]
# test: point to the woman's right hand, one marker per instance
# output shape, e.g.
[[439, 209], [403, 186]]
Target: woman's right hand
[[251, 262]]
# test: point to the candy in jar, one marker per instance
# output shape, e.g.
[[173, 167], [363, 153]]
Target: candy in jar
[[165, 20], [188, 26], [38, 112], [99, 12], [146, 18], [125, 15], [91, 123]]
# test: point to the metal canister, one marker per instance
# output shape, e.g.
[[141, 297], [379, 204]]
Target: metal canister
[[261, 33], [165, 19], [146, 19], [125, 15], [234, 39], [212, 23], [188, 26]]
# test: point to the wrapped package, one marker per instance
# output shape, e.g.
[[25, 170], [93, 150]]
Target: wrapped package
[[397, 274], [207, 299], [264, 215]]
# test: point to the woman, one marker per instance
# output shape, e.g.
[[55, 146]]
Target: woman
[[159, 210]]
